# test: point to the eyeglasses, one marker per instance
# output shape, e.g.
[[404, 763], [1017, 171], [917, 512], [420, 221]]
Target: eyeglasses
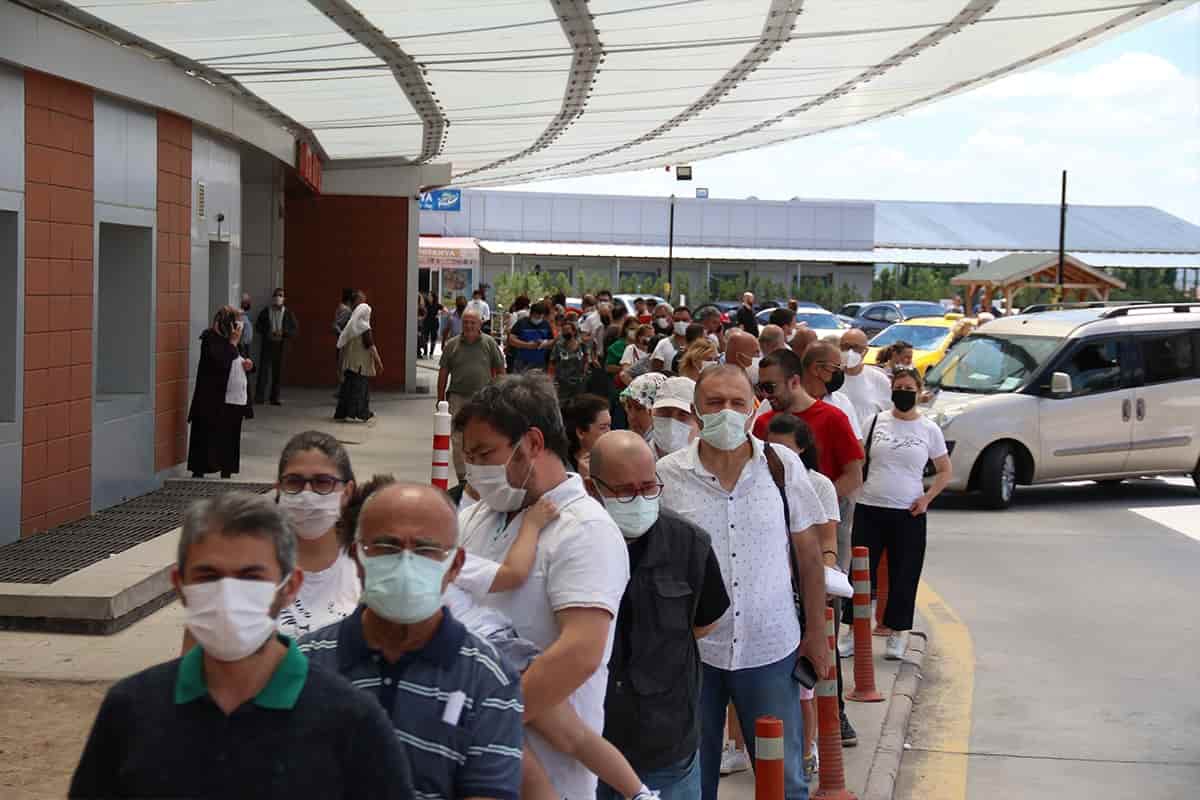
[[321, 484], [434, 552], [650, 491]]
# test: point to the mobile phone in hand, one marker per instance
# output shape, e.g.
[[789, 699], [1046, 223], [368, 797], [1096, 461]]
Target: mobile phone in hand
[[804, 673]]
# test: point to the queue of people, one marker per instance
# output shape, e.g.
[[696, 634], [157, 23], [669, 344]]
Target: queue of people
[[592, 611]]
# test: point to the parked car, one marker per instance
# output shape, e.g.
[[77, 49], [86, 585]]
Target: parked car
[[823, 322], [874, 317], [1099, 394], [628, 300], [930, 337], [849, 312]]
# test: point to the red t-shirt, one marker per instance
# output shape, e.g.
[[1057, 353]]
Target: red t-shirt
[[835, 438]]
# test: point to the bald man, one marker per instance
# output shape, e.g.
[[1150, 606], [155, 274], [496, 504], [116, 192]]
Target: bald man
[[745, 315], [403, 647], [651, 710], [742, 349], [805, 337], [867, 387], [770, 339]]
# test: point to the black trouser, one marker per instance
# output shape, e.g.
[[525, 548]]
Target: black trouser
[[270, 360], [354, 401], [902, 536]]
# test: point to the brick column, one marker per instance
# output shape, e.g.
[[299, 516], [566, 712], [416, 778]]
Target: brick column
[[59, 211], [174, 259]]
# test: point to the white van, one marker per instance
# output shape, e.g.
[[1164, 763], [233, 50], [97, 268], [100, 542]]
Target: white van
[[1098, 394]]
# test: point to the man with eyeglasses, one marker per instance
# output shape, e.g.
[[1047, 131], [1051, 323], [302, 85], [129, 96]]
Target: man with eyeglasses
[[453, 702], [244, 712], [867, 387], [675, 596]]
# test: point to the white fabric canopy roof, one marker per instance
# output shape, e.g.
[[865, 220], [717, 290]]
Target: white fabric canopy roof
[[510, 91]]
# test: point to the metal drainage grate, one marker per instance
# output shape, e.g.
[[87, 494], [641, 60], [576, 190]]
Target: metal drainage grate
[[47, 557]]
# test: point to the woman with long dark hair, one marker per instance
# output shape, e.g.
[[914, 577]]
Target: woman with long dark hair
[[220, 400], [585, 418], [891, 512]]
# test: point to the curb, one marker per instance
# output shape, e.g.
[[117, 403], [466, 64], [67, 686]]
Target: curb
[[885, 767]]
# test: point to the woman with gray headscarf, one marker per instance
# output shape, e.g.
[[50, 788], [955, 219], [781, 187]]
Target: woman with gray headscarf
[[220, 400]]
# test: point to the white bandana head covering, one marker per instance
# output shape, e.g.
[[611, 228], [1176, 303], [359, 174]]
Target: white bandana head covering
[[644, 389]]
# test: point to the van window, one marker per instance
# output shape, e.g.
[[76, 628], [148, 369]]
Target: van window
[[1095, 367], [1169, 357]]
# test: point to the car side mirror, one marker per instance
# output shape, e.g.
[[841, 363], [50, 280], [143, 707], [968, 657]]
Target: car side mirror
[[1060, 383]]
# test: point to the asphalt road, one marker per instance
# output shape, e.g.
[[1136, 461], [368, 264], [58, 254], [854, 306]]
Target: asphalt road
[[1082, 607]]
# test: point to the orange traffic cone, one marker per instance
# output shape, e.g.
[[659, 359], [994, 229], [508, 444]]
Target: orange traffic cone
[[829, 727], [864, 662]]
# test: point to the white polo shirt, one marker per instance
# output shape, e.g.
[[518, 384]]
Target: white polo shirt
[[582, 561], [840, 401], [748, 536]]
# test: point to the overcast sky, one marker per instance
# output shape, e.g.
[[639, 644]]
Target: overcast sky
[[1122, 117]]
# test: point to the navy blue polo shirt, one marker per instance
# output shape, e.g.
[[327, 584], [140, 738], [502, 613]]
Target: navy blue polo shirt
[[454, 704]]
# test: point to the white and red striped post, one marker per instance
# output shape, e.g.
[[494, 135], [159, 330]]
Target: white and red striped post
[[864, 664], [441, 446], [768, 758], [829, 727]]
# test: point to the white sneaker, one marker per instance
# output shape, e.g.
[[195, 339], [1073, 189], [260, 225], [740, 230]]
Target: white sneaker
[[897, 642], [734, 760], [846, 642]]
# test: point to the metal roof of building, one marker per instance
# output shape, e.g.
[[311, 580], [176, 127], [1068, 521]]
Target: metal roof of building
[[514, 91], [1029, 226]]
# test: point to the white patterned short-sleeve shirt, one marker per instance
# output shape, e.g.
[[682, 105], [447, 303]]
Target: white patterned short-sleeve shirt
[[748, 535]]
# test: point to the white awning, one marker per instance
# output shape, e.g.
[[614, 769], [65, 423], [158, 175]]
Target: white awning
[[519, 90]]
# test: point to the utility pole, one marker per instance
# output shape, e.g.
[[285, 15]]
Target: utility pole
[[1062, 236], [671, 251]]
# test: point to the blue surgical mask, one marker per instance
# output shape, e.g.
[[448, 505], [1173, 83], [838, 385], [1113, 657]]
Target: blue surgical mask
[[404, 588], [725, 430], [633, 518]]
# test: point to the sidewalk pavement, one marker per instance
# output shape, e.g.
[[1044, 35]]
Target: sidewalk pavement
[[400, 442]]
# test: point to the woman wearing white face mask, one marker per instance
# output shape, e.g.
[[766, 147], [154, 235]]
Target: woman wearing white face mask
[[314, 484], [675, 426]]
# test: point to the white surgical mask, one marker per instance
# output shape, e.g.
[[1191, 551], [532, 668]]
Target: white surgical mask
[[311, 514], [491, 482], [671, 434], [853, 359], [752, 370], [791, 335], [725, 430], [403, 588], [680, 328], [633, 518], [230, 617]]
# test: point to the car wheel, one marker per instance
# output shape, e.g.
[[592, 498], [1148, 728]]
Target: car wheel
[[998, 476]]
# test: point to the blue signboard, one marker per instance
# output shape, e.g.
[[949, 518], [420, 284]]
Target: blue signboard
[[441, 200]]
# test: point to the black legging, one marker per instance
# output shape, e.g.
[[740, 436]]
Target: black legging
[[902, 536]]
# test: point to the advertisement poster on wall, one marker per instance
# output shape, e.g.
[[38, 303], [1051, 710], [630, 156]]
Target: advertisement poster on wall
[[452, 263]]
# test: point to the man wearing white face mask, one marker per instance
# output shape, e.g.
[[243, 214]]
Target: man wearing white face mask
[[868, 388], [515, 446], [757, 504], [675, 426], [197, 726], [674, 597], [664, 352], [455, 705]]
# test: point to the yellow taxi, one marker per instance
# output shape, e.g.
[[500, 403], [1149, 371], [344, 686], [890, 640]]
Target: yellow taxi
[[930, 338]]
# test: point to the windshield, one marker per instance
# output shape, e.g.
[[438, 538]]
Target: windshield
[[985, 364], [921, 337], [922, 310], [821, 320]]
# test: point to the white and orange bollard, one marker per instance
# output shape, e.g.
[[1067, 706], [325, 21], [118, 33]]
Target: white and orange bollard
[[829, 727], [768, 758], [441, 446], [864, 662]]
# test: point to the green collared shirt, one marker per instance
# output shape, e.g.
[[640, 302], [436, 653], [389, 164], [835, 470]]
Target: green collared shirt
[[280, 693]]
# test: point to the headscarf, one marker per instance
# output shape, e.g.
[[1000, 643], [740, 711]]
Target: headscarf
[[644, 389], [360, 323]]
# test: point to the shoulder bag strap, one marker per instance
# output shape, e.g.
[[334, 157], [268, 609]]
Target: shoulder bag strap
[[775, 465], [867, 447]]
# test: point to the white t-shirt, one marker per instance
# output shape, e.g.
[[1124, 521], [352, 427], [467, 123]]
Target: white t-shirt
[[582, 561], [869, 393], [465, 597], [632, 354], [485, 311], [665, 351], [842, 402], [325, 597], [827, 494], [235, 386], [899, 449]]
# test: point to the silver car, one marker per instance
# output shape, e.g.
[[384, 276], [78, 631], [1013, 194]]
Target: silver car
[[1098, 394]]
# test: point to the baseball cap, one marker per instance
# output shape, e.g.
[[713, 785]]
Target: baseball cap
[[676, 392]]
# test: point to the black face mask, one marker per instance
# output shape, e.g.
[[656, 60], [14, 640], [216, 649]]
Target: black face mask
[[836, 382], [568, 335], [904, 399]]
